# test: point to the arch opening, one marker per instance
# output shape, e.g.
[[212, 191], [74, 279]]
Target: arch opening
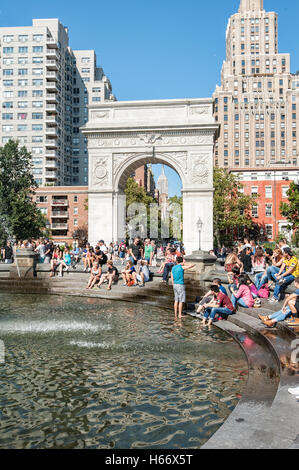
[[149, 199]]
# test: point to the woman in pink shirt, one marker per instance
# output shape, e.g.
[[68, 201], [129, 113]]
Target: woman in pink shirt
[[243, 295]]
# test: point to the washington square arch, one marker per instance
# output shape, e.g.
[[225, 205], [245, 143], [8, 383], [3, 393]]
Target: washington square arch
[[122, 136]]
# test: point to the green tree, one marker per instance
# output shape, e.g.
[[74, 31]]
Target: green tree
[[176, 219], [290, 209], [232, 208], [135, 193], [19, 215]]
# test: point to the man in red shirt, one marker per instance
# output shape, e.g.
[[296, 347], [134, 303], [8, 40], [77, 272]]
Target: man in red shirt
[[220, 305]]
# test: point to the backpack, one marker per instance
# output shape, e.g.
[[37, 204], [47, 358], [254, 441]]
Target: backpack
[[264, 292]]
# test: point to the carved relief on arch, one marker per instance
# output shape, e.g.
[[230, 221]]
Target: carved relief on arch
[[200, 168], [100, 173]]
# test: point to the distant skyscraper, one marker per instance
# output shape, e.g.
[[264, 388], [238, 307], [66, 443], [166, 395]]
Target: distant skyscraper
[[256, 103], [45, 90], [162, 184]]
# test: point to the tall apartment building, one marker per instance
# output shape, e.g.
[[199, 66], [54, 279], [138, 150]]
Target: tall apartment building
[[90, 85], [44, 92], [258, 98], [256, 105]]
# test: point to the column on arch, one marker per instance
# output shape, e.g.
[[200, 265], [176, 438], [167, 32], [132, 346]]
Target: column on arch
[[198, 205], [119, 214], [100, 217]]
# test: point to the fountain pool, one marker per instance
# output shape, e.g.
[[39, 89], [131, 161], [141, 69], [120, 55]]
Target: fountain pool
[[91, 373]]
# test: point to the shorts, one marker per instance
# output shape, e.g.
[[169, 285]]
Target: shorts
[[139, 278], [122, 254], [179, 293]]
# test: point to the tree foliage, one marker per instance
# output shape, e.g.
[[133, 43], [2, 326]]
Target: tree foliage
[[81, 234], [19, 215], [290, 209], [232, 208], [135, 193]]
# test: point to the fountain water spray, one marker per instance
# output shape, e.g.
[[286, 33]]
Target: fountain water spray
[[2, 352]]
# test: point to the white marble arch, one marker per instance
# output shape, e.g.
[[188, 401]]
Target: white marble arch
[[122, 136]]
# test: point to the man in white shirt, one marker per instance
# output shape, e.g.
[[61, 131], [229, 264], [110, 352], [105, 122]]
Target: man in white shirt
[[103, 247], [283, 245]]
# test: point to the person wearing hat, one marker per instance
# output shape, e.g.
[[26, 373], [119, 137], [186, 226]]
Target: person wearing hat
[[287, 274]]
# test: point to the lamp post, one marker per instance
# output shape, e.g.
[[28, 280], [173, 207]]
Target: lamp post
[[199, 225]]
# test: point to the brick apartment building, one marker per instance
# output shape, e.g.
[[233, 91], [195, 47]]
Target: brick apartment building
[[65, 209], [271, 186]]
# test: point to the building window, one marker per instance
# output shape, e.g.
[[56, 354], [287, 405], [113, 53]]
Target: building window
[[268, 191], [269, 210], [269, 231], [255, 211]]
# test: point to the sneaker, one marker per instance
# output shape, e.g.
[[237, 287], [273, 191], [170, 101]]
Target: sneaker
[[141, 285], [273, 300], [294, 391], [125, 284], [59, 275]]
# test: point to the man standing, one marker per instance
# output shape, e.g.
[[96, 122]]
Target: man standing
[[49, 248], [8, 253], [134, 251], [148, 251], [178, 282]]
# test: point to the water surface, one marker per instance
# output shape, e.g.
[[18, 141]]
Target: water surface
[[90, 373]]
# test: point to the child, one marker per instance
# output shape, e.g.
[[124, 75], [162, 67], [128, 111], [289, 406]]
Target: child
[[129, 275]]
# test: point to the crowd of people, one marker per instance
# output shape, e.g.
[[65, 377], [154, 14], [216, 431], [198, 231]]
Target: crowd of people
[[252, 271]]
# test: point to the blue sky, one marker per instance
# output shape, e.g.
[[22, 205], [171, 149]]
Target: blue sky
[[154, 49]]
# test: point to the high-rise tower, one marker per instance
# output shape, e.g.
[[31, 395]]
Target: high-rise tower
[[255, 103]]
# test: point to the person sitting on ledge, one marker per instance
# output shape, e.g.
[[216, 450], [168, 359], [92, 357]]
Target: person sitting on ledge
[[111, 276], [129, 275], [169, 258], [242, 295], [233, 279], [290, 309], [169, 265], [95, 275], [143, 274], [220, 305], [209, 295], [288, 272], [56, 260], [65, 262]]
